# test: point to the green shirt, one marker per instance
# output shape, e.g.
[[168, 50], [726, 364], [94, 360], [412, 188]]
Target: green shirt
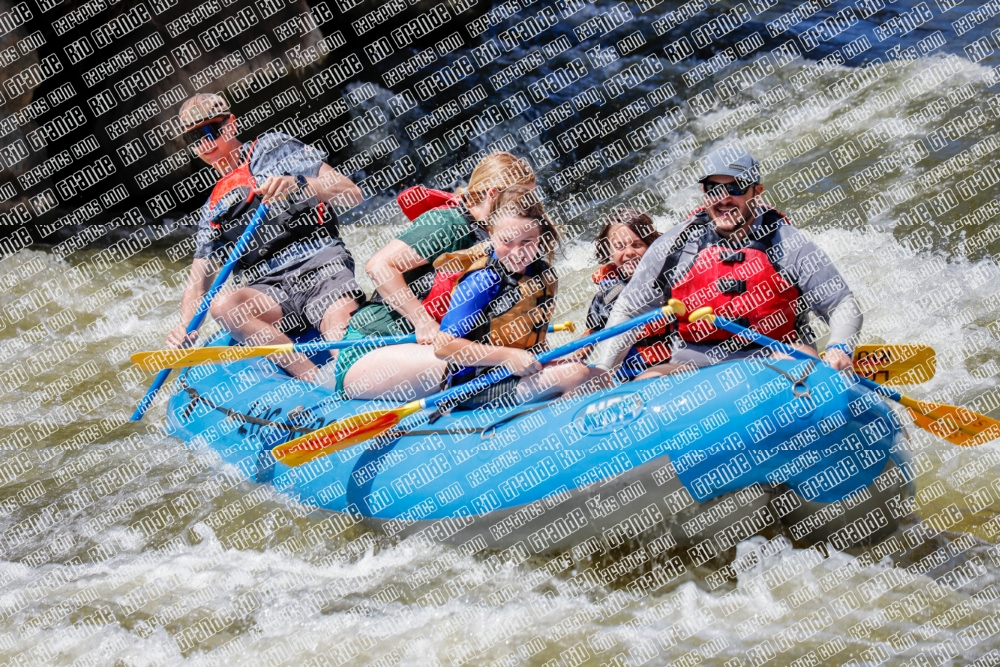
[[431, 235]]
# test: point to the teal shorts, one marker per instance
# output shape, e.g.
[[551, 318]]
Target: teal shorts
[[348, 357], [371, 321]]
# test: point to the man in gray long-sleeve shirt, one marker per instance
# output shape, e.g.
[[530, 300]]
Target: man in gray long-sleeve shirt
[[746, 262]]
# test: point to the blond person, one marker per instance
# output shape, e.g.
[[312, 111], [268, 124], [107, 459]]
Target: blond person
[[403, 270], [502, 294]]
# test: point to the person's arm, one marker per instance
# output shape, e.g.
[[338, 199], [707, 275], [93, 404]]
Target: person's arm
[[640, 296], [469, 301], [430, 235], [845, 325], [278, 158], [329, 186], [824, 291], [386, 268], [199, 280], [333, 187]]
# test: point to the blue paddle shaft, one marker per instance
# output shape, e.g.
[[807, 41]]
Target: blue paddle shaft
[[375, 341], [766, 341], [501, 372], [206, 302], [324, 345]]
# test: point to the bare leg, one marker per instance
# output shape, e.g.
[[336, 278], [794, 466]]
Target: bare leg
[[801, 347], [808, 349], [660, 370], [590, 380], [402, 372], [248, 314], [555, 379], [335, 319]]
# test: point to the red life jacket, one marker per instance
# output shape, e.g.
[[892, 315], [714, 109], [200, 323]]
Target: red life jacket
[[653, 345], [438, 299], [740, 284], [417, 200]]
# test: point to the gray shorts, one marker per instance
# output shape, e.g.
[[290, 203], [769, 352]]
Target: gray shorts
[[309, 288]]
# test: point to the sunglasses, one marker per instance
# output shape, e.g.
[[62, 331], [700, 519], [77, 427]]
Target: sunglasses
[[732, 189], [211, 130]]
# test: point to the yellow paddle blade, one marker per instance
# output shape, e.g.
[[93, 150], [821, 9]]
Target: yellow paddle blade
[[182, 358], [895, 364], [701, 314], [341, 434], [957, 425]]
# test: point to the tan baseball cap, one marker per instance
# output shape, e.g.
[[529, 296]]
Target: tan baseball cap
[[202, 107]]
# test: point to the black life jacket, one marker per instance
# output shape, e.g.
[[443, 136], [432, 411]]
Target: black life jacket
[[287, 222], [653, 344]]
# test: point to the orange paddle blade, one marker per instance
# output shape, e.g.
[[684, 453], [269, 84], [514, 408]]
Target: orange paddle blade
[[956, 425], [341, 434]]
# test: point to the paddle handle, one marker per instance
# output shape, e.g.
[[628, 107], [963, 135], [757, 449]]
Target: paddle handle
[[206, 302], [767, 341], [501, 372], [563, 326]]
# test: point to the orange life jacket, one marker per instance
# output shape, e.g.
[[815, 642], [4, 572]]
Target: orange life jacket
[[521, 322]]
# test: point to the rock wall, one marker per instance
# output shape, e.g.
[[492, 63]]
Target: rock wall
[[91, 90]]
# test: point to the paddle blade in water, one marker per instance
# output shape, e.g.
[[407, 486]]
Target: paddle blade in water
[[955, 424], [895, 364], [341, 434], [182, 358]]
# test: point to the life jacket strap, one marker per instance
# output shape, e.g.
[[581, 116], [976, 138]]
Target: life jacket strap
[[241, 176]]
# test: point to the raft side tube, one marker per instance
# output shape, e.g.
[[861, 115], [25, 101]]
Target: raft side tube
[[688, 460]]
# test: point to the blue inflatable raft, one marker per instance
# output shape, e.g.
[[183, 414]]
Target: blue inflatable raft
[[704, 459]]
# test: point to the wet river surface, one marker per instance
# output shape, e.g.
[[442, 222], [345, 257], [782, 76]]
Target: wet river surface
[[84, 580]]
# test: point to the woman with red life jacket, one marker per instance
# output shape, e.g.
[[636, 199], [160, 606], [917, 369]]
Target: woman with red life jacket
[[620, 244], [403, 270], [495, 302], [297, 272], [749, 264]]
